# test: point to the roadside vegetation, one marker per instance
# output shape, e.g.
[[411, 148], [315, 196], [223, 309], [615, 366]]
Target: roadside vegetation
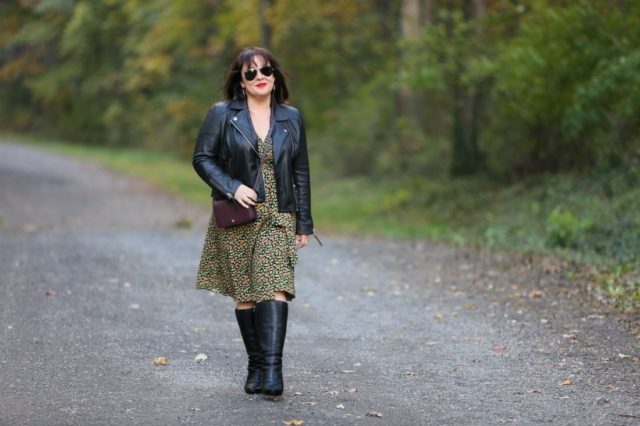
[[592, 222]]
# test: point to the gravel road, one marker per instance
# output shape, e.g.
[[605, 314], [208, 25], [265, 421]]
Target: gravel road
[[97, 279]]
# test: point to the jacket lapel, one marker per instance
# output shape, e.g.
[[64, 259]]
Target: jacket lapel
[[242, 122], [281, 130]]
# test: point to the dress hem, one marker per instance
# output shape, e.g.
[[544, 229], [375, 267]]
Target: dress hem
[[290, 296]]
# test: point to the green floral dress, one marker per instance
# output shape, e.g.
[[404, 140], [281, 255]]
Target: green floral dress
[[251, 262]]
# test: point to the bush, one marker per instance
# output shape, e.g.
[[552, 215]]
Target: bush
[[563, 229]]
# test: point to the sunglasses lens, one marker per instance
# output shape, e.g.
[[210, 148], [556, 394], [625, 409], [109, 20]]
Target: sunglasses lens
[[266, 70], [250, 74]]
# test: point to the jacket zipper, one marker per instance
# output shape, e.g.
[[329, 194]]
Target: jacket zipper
[[245, 138], [252, 147]]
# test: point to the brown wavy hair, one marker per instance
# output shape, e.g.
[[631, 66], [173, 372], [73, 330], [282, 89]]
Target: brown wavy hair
[[232, 88]]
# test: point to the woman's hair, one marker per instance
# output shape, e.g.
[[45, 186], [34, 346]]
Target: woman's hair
[[232, 88]]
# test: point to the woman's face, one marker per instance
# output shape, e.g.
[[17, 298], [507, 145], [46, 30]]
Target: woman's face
[[261, 85]]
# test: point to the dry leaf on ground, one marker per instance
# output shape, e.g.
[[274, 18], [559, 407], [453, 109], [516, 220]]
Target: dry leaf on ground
[[500, 348], [566, 382], [201, 357], [293, 422], [161, 360], [373, 414], [536, 293]]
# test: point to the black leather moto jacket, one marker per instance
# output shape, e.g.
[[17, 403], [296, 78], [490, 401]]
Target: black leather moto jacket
[[224, 158]]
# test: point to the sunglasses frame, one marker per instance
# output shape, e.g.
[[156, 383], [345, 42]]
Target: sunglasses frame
[[252, 73]]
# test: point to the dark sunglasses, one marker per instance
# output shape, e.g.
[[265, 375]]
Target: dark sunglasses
[[251, 73]]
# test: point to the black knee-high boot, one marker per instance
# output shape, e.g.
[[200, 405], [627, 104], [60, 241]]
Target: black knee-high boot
[[246, 321], [271, 325]]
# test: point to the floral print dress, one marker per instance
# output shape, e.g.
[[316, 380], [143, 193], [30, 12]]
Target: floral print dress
[[251, 262]]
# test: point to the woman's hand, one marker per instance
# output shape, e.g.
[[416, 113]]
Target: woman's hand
[[245, 196], [301, 241]]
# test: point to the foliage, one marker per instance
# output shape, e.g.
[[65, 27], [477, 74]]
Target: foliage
[[567, 88], [382, 97], [534, 96]]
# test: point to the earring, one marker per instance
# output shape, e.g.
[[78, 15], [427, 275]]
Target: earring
[[244, 93]]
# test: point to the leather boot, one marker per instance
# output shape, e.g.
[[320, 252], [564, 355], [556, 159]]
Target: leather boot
[[271, 325], [246, 321]]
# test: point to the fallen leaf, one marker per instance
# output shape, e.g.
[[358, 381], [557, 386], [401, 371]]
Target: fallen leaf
[[373, 414], [50, 293], [536, 293], [351, 390], [566, 382], [161, 360], [293, 422], [297, 393], [621, 355], [570, 336], [410, 373], [340, 406], [201, 357], [126, 285], [348, 371], [30, 227], [333, 392], [470, 306], [134, 306], [533, 391], [438, 317], [500, 348]]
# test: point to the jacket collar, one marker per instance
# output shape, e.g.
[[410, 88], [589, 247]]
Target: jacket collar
[[241, 120]]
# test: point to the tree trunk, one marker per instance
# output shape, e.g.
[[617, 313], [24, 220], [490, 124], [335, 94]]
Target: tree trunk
[[467, 105], [265, 27]]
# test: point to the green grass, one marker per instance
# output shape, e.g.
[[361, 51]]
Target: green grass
[[587, 220]]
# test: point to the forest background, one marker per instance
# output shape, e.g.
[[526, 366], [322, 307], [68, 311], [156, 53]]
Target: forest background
[[510, 124]]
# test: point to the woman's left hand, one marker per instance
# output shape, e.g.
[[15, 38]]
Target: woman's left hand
[[301, 241]]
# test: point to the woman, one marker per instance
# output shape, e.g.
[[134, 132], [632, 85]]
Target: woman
[[252, 149]]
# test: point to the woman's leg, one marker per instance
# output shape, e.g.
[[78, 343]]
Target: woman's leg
[[246, 321], [280, 295]]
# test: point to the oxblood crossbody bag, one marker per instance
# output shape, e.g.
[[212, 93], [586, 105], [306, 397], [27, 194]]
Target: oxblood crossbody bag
[[230, 213]]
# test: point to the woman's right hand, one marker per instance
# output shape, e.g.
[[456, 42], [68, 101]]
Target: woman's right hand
[[245, 196]]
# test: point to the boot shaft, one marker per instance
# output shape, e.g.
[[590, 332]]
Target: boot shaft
[[271, 326]]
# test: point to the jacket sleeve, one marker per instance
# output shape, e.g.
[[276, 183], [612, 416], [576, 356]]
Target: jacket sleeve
[[301, 178], [206, 155]]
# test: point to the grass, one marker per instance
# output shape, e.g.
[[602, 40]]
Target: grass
[[587, 220]]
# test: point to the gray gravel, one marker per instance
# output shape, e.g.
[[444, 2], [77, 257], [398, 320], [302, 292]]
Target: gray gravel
[[97, 280]]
